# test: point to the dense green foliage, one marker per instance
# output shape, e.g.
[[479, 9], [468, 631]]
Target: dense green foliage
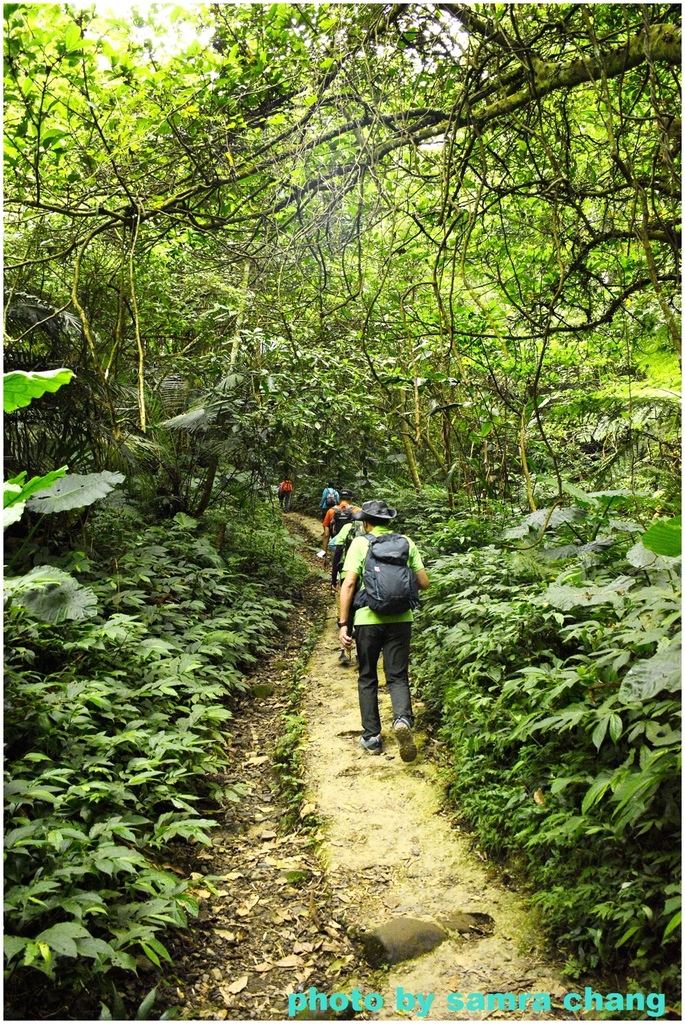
[[554, 671], [377, 239], [116, 732], [407, 246]]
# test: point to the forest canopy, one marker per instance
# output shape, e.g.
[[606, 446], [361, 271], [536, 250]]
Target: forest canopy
[[434, 239]]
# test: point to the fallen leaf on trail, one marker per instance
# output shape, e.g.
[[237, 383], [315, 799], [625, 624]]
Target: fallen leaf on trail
[[342, 896], [261, 968], [303, 947], [268, 834], [196, 874], [228, 936], [238, 985], [306, 809], [202, 893], [172, 867], [290, 961], [257, 760]]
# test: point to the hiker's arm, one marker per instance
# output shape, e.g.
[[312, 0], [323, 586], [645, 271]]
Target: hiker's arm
[[422, 580], [346, 596]]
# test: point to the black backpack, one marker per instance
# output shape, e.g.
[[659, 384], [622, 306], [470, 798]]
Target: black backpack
[[390, 586], [331, 499], [341, 516]]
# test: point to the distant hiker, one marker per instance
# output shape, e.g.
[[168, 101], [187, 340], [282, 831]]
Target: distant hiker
[[329, 498], [335, 519], [383, 573], [339, 529], [285, 489]]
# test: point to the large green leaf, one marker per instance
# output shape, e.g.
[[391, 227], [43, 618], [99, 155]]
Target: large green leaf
[[50, 594], [665, 537], [75, 491], [194, 419], [16, 493], [12, 513], [16, 490], [567, 597], [581, 496], [20, 386], [642, 558], [570, 514], [13, 945], [61, 937], [652, 675]]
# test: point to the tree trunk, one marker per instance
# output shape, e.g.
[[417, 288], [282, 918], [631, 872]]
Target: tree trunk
[[411, 461], [235, 346]]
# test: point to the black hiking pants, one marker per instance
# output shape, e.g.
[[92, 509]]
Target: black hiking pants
[[335, 567], [393, 639]]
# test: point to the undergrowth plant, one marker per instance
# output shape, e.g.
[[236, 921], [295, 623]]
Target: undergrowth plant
[[116, 740], [551, 662], [287, 762]]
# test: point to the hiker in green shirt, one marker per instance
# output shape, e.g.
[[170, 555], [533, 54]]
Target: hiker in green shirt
[[376, 632], [340, 545]]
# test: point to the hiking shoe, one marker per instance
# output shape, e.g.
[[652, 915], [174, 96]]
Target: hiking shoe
[[372, 745], [405, 739]]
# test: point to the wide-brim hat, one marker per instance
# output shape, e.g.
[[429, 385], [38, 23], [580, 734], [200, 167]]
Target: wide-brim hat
[[375, 509]]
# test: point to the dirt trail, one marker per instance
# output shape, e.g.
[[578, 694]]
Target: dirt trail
[[394, 852], [283, 902]]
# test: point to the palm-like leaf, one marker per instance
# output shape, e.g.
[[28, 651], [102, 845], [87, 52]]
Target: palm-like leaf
[[50, 594], [75, 491]]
